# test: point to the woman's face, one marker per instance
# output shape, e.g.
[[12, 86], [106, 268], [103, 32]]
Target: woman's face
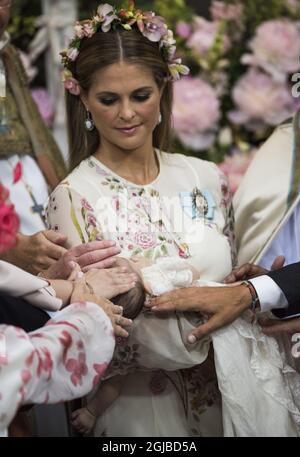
[[4, 15], [124, 101]]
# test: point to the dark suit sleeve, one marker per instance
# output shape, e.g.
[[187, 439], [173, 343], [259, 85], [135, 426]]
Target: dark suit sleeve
[[288, 279]]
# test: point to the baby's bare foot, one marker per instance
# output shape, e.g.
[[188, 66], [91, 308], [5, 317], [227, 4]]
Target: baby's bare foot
[[83, 421]]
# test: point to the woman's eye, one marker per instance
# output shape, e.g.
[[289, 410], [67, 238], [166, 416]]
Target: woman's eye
[[107, 101], [141, 97]]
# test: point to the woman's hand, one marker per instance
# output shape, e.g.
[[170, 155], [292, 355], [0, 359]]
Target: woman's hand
[[37, 252], [96, 254], [81, 293], [111, 282]]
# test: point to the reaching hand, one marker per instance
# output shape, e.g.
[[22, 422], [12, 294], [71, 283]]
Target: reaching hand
[[111, 282], [249, 270], [81, 293], [222, 305], [37, 252], [96, 254]]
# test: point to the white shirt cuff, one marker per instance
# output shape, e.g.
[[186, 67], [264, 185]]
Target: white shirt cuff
[[269, 294]]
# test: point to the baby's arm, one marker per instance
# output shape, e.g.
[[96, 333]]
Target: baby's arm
[[168, 273], [108, 391]]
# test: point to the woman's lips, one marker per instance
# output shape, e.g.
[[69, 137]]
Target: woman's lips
[[129, 130]]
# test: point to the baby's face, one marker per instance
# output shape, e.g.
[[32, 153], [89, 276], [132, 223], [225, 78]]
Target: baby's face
[[135, 263]]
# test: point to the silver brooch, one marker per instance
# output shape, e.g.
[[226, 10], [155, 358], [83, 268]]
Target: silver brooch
[[200, 204]]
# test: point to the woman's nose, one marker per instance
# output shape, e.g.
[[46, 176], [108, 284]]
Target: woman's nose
[[127, 112]]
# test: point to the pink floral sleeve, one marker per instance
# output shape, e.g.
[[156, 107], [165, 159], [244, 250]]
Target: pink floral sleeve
[[59, 362]]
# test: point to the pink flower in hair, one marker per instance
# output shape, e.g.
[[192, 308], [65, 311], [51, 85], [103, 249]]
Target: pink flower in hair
[[105, 16], [79, 32], [88, 29], [155, 27], [71, 84], [72, 54]]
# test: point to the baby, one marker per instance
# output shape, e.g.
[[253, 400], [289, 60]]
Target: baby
[[155, 277], [251, 370]]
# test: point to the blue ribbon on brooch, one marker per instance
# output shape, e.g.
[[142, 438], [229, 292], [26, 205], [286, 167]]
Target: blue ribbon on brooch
[[198, 204]]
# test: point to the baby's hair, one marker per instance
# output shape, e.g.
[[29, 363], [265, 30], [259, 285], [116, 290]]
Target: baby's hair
[[132, 301]]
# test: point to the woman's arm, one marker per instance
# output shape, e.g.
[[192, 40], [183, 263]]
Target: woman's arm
[[63, 289], [61, 361]]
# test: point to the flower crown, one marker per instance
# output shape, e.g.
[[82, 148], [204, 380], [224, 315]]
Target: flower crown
[[108, 17]]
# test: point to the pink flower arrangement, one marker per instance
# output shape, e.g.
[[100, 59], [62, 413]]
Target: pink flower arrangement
[[9, 222], [260, 99], [183, 29], [195, 113], [276, 48], [204, 36], [235, 166], [221, 12]]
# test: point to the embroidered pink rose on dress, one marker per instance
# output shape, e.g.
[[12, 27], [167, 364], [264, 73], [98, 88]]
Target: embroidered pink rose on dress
[[145, 240]]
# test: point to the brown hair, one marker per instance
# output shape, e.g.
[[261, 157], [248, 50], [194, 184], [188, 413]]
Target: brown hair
[[132, 301], [98, 52]]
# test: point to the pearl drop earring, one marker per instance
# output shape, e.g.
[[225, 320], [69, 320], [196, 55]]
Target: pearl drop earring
[[89, 123]]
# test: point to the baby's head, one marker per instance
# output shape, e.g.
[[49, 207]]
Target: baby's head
[[133, 300]]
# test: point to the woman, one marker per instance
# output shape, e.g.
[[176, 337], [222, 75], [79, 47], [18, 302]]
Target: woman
[[118, 76], [53, 363], [59, 362]]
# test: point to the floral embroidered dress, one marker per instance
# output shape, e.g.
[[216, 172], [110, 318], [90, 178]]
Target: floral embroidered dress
[[62, 361], [169, 388]]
